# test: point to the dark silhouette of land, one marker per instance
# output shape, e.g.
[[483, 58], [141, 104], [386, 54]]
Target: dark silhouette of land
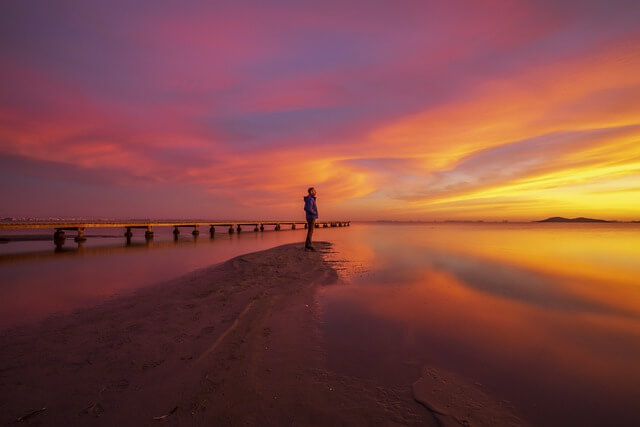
[[579, 219]]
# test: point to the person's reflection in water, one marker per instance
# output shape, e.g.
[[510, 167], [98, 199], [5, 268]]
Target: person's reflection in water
[[311, 210]]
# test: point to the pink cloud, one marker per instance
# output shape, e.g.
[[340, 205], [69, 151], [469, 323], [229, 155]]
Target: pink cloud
[[375, 104]]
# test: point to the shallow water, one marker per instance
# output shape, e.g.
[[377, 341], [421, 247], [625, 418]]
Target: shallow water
[[543, 316], [38, 281]]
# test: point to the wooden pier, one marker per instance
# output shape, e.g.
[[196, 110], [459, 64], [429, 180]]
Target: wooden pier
[[59, 235]]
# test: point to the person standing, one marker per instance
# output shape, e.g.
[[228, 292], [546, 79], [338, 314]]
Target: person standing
[[311, 209]]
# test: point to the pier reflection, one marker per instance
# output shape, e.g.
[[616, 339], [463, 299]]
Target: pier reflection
[[71, 248]]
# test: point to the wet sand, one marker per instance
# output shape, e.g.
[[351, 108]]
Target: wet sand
[[237, 343]]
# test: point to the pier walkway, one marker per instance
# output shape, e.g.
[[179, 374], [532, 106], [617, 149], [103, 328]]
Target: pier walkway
[[232, 226]]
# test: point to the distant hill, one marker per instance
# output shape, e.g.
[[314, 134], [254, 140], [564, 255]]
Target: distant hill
[[580, 219]]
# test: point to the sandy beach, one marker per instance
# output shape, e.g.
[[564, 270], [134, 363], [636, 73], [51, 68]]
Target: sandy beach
[[237, 343]]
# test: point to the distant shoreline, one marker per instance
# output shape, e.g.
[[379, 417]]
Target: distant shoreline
[[12, 220], [579, 219], [480, 221]]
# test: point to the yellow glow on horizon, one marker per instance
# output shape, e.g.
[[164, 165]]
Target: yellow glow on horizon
[[597, 174]]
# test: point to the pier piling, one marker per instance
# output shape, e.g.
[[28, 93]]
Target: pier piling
[[60, 227], [59, 238], [80, 236]]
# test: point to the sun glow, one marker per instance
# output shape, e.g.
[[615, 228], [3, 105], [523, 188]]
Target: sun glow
[[533, 116]]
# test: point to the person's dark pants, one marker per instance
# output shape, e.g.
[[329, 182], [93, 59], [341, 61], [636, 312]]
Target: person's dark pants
[[311, 224]]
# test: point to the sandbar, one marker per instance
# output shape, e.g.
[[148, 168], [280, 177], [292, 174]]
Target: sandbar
[[237, 343]]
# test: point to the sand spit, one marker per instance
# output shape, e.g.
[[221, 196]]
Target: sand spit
[[234, 344]]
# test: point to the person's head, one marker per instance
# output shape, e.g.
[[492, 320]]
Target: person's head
[[312, 191]]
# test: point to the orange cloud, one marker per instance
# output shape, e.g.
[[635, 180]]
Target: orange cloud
[[595, 99], [477, 114]]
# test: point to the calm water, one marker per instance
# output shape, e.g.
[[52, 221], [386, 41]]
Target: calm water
[[37, 281], [545, 316]]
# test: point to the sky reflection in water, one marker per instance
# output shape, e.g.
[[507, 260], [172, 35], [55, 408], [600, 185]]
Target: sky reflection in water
[[37, 281], [546, 316]]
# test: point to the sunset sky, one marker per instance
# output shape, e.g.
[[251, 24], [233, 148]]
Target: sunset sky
[[407, 110]]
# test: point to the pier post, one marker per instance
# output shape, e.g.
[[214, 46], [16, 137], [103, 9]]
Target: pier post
[[212, 231], [261, 227], [176, 232], [195, 231], [128, 234], [148, 235], [80, 236], [59, 238], [239, 228], [293, 226], [339, 224], [231, 229], [325, 225], [256, 229], [305, 226], [277, 227]]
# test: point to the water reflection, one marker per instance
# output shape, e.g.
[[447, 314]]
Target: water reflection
[[99, 247], [547, 318], [39, 280]]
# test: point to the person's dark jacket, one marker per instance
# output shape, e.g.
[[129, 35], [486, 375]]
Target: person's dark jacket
[[310, 207]]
